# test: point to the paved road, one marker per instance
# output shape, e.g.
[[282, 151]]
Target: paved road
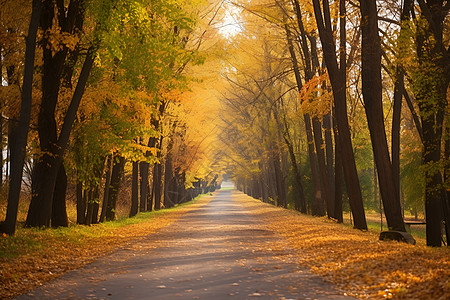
[[219, 251]]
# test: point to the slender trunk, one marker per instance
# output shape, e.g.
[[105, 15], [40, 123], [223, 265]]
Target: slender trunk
[[134, 189], [95, 204], [143, 169], [109, 167], [326, 193], [169, 191], [90, 207], [280, 181], [299, 201], [81, 204], [157, 185], [338, 182], [19, 133], [307, 119], [327, 126]]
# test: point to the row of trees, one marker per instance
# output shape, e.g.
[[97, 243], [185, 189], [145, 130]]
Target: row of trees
[[314, 85], [101, 83]]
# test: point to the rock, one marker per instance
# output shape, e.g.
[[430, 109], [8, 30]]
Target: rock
[[400, 236]]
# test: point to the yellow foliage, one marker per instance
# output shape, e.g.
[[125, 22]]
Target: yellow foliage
[[315, 97]]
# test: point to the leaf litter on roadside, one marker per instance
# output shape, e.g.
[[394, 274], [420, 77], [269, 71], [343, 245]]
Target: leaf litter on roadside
[[356, 261]]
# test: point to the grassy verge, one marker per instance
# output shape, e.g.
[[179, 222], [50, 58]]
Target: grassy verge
[[33, 256], [356, 261]]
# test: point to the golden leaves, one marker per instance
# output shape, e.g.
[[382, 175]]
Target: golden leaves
[[316, 97], [356, 261]]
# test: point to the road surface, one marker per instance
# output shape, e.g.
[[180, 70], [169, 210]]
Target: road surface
[[218, 251]]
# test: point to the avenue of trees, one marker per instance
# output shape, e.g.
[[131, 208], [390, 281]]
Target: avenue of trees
[[92, 90], [331, 102], [321, 106]]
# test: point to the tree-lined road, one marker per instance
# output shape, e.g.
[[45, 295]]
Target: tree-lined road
[[218, 251]]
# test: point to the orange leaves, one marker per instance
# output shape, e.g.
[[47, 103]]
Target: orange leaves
[[316, 96], [356, 261]]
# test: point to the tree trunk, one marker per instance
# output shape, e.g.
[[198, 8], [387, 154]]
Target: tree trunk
[[338, 83], [81, 204], [338, 182], [300, 201], [372, 95], [90, 207], [134, 189], [307, 119], [157, 185], [116, 178], [18, 138], [59, 212], [109, 166], [327, 126], [144, 187], [95, 204], [325, 187]]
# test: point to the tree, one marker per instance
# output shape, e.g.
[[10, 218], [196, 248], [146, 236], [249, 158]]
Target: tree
[[19, 132], [372, 95], [338, 76]]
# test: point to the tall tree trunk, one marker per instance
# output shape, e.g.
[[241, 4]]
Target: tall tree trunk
[[134, 189], [338, 83], [433, 66], [18, 138], [307, 119], [372, 95]]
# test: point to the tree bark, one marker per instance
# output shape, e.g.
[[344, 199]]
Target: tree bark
[[134, 189], [327, 126], [109, 166], [113, 192], [59, 212], [325, 187], [81, 204], [144, 187]]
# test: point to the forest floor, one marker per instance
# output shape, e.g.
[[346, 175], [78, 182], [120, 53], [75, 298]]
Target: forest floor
[[250, 249]]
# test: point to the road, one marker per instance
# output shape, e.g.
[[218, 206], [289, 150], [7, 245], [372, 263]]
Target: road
[[218, 251]]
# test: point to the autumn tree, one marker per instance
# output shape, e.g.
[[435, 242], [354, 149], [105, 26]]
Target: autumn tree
[[19, 131]]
